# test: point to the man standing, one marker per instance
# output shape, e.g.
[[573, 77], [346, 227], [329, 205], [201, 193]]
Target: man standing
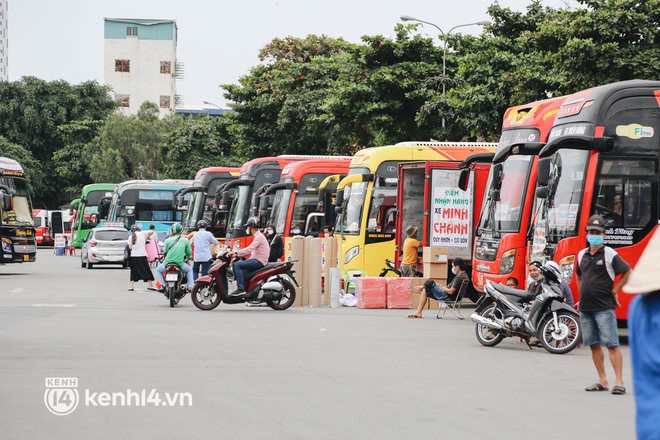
[[409, 260], [202, 240], [177, 250], [259, 250], [597, 266]]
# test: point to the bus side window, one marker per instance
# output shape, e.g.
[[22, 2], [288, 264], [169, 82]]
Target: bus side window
[[637, 204]]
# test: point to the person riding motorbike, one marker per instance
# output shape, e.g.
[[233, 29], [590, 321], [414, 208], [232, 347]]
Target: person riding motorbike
[[177, 250], [259, 250]]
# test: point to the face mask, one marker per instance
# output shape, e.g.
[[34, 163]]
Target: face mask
[[247, 231], [270, 232], [530, 279], [595, 240], [453, 270]]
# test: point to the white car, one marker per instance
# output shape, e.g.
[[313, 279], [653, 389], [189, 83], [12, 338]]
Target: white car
[[104, 246]]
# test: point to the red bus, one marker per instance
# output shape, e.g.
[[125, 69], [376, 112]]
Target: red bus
[[428, 193], [42, 227], [501, 242], [295, 199], [601, 158]]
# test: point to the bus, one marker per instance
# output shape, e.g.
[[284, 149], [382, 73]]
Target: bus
[[366, 199], [501, 243], [295, 199], [85, 210], [201, 203], [17, 233], [256, 176], [601, 158], [41, 218], [145, 203]]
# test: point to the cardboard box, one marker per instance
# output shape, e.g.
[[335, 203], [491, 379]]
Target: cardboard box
[[414, 294], [435, 254], [296, 253], [307, 265], [435, 270], [315, 272], [371, 292], [398, 293]]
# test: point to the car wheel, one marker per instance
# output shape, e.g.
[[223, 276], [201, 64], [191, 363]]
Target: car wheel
[[89, 265]]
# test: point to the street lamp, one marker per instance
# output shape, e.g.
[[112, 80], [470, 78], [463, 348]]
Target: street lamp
[[444, 43], [210, 103]]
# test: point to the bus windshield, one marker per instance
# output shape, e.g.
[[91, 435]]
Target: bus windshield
[[280, 210], [558, 214], [305, 203], [239, 206], [21, 214], [197, 200], [504, 214], [145, 205], [352, 216]]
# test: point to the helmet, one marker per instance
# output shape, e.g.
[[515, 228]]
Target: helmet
[[202, 224], [252, 222], [553, 268], [177, 228], [135, 228]]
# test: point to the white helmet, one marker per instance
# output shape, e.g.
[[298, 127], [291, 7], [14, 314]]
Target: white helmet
[[554, 267]]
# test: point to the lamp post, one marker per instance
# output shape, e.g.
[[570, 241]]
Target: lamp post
[[444, 43], [210, 103]]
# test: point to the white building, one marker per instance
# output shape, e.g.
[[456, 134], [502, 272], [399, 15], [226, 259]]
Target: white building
[[140, 62], [4, 44]]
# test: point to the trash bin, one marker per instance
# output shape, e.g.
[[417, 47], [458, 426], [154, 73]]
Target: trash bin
[[59, 251]]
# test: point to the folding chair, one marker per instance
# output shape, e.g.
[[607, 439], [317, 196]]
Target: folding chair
[[455, 305]]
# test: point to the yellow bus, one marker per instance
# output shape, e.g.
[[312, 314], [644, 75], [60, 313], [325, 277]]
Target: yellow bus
[[366, 200]]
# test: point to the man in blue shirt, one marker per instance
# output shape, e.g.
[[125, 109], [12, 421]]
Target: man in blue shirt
[[202, 240]]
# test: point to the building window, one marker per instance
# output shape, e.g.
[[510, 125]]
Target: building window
[[164, 101], [131, 31], [123, 100], [165, 67], [123, 66]]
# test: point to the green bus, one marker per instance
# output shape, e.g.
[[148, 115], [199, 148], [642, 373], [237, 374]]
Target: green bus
[[86, 210]]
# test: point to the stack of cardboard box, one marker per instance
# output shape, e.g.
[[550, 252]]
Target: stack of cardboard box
[[328, 261], [371, 292], [294, 248]]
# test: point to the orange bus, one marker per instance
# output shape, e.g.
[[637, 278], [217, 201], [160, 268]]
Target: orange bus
[[501, 242]]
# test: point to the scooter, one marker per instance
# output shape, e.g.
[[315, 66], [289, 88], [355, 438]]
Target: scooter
[[176, 283], [506, 312], [266, 285], [389, 267]]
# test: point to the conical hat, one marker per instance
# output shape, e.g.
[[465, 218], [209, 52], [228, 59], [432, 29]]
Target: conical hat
[[645, 277]]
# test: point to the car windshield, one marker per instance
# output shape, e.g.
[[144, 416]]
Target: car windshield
[[280, 210], [239, 207], [111, 235], [504, 214]]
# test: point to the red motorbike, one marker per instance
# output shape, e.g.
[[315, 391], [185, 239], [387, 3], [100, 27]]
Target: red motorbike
[[265, 285]]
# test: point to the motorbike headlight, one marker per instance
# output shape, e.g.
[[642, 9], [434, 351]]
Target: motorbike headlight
[[566, 267], [352, 253], [508, 261], [6, 245]]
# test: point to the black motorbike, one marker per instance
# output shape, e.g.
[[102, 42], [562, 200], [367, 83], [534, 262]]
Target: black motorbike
[[505, 312], [389, 267], [176, 283]]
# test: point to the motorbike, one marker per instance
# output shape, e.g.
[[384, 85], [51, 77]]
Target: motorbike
[[176, 283], [266, 285], [505, 312], [389, 267]]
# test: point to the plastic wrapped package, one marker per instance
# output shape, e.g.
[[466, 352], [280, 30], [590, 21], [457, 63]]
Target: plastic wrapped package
[[398, 293]]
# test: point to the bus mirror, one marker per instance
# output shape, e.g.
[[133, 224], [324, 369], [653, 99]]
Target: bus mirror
[[225, 198], [542, 192], [543, 175], [497, 176], [463, 179], [180, 201], [6, 202], [340, 198]]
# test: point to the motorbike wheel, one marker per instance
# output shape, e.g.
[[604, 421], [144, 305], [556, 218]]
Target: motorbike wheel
[[486, 336], [566, 338], [171, 293], [205, 296], [288, 297]]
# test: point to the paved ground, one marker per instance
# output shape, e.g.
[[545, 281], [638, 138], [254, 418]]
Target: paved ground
[[257, 373]]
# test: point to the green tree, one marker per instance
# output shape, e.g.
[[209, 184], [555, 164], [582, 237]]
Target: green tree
[[197, 144], [129, 147]]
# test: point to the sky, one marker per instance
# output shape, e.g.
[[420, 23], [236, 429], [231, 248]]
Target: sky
[[218, 40]]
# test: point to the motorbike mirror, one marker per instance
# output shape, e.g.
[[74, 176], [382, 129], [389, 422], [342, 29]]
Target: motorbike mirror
[[543, 173]]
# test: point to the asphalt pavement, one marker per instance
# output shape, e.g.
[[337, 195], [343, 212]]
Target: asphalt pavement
[[75, 345]]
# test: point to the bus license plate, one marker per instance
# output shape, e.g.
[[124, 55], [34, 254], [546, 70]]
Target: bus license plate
[[170, 277], [26, 258]]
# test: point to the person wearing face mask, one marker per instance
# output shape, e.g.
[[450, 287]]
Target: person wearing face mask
[[535, 279], [276, 244], [258, 250], [596, 269], [442, 293]]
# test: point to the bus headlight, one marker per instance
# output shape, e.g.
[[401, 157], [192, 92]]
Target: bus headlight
[[6, 245], [566, 267], [508, 261], [352, 253]]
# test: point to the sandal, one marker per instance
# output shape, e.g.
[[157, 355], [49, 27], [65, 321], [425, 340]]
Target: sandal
[[599, 387], [131, 290], [618, 390], [152, 288], [411, 316]]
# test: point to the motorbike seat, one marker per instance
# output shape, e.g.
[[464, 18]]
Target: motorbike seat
[[249, 274], [522, 294]]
